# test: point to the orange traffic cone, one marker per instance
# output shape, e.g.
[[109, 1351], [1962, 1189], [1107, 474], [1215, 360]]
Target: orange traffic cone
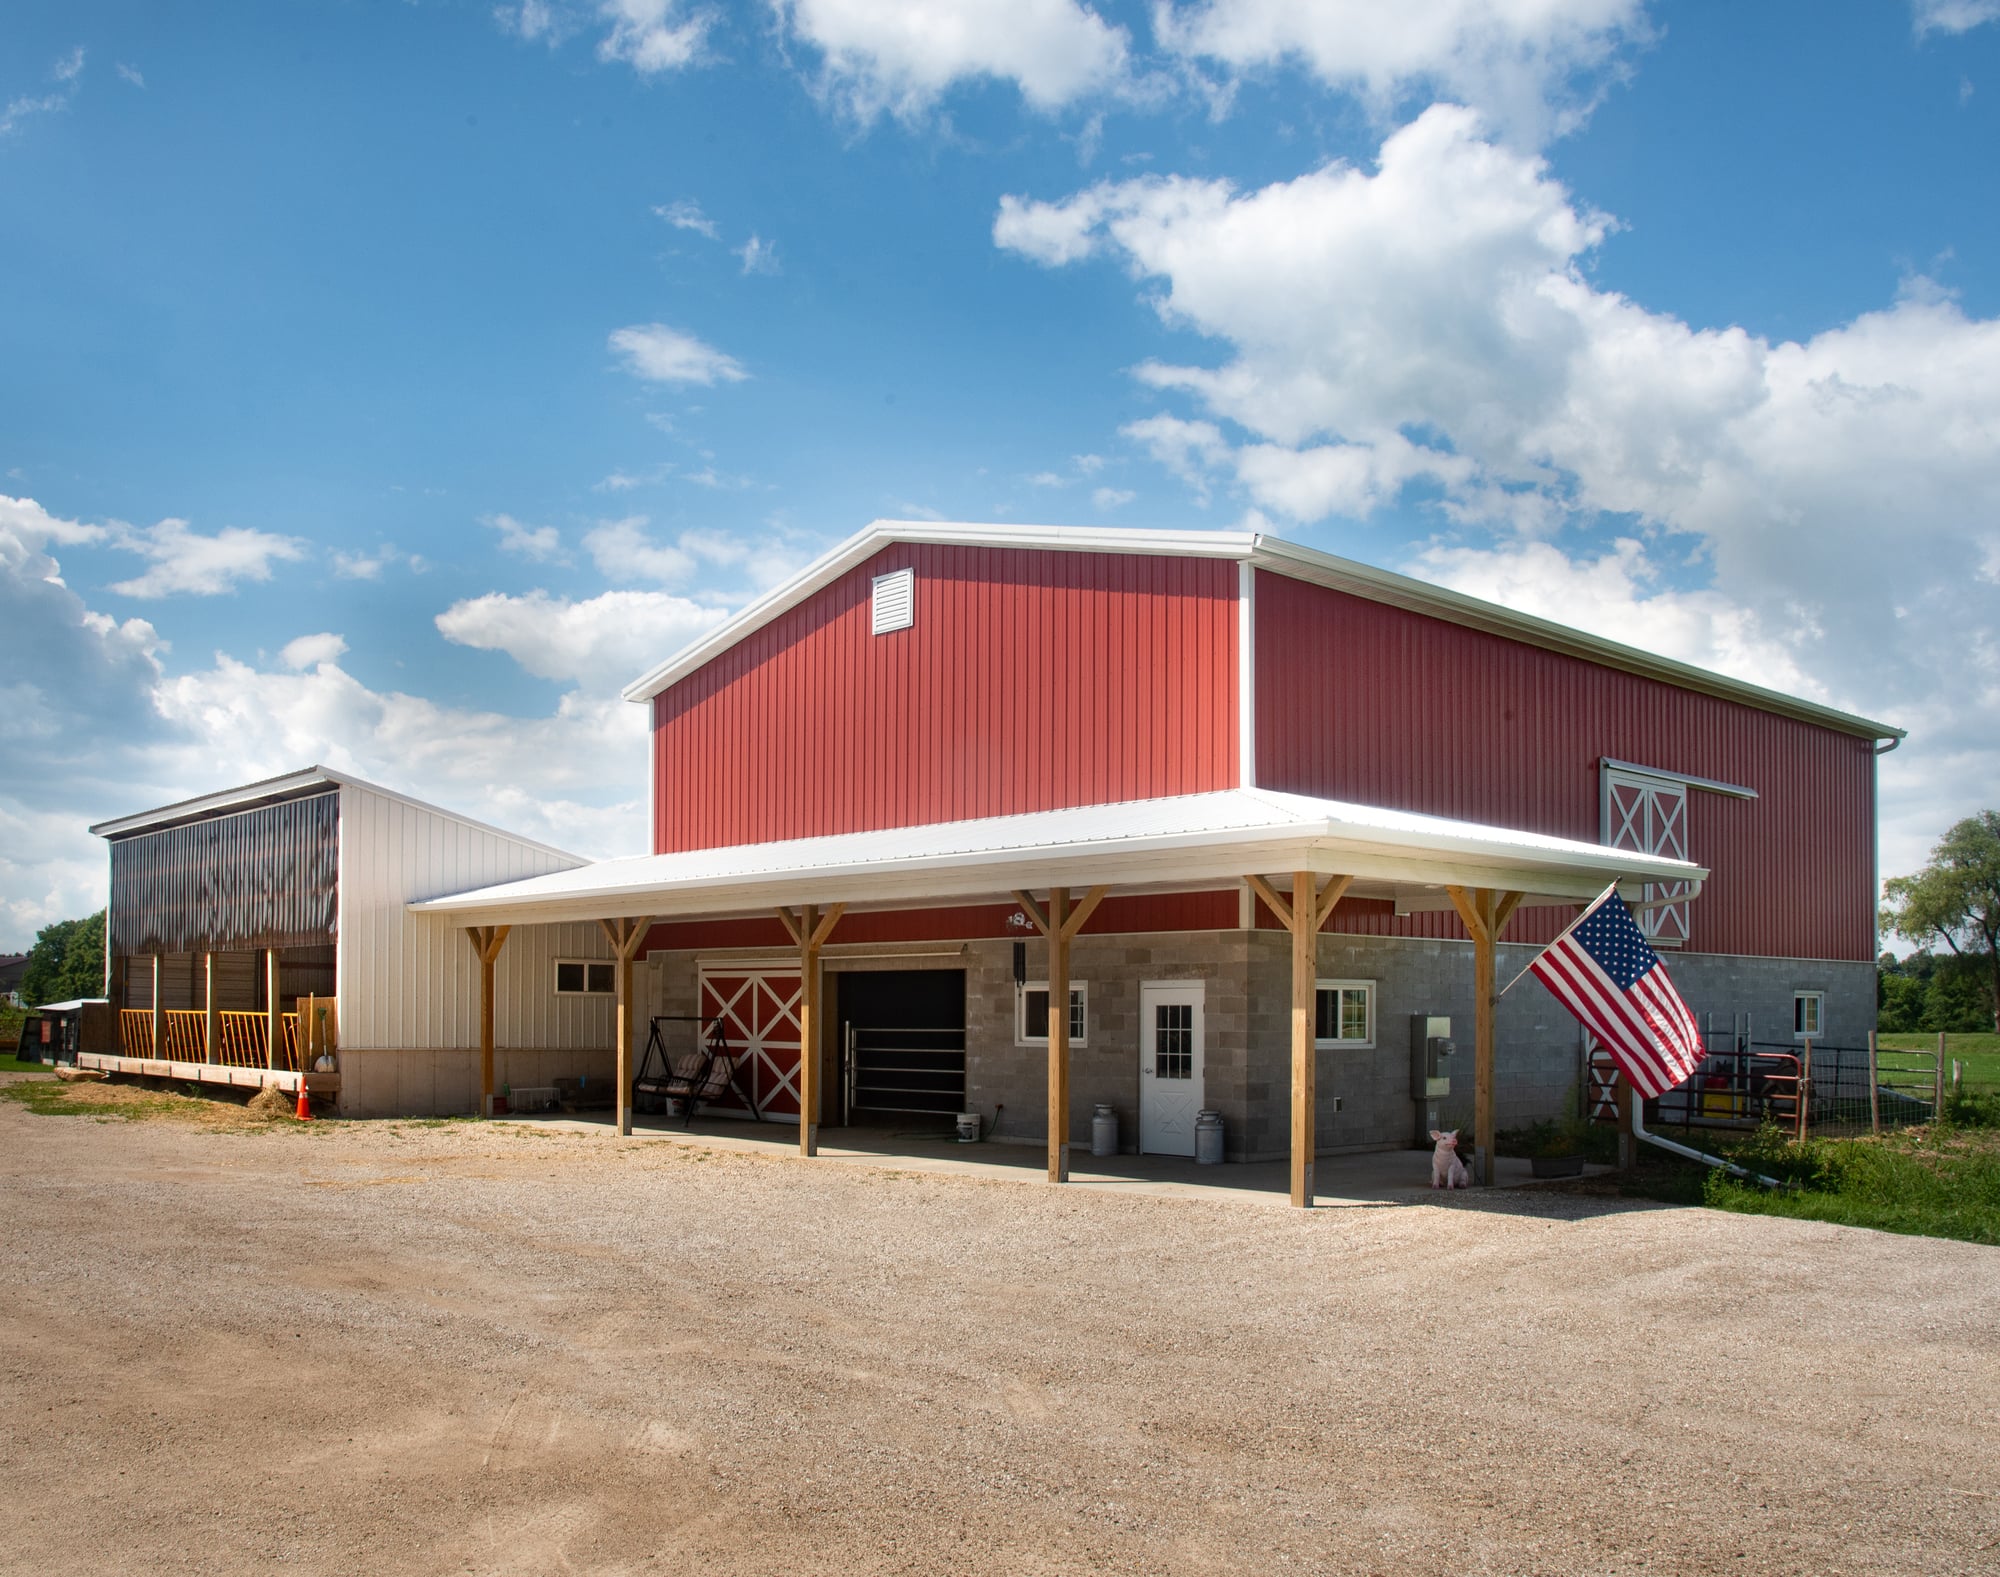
[[305, 1112]]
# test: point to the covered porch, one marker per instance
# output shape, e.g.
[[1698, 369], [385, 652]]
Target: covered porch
[[1297, 857]]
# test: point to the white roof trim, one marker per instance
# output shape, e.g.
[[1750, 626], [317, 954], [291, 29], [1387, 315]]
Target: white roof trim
[[1186, 842], [295, 784], [1264, 552]]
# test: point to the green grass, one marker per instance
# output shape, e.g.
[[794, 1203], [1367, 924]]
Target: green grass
[[53, 1099], [1942, 1181], [1978, 1055], [9, 1063]]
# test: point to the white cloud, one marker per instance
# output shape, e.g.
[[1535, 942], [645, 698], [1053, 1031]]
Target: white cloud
[[67, 70], [540, 543], [651, 36], [1047, 479], [309, 651], [688, 216], [1427, 334], [187, 563], [362, 565], [602, 642], [131, 74], [1953, 16], [28, 527], [624, 551], [887, 55], [663, 355], [1531, 65], [759, 256], [1109, 498]]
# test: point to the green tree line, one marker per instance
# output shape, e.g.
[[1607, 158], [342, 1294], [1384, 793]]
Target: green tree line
[[66, 962]]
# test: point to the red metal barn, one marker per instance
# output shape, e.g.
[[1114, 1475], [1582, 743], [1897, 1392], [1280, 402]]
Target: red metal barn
[[874, 790]]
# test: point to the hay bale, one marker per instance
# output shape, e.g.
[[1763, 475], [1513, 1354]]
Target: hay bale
[[271, 1101]]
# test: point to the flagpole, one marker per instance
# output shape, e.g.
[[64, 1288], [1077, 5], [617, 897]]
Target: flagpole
[[1586, 912]]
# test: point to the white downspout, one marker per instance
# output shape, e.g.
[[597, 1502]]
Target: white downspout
[[1639, 1132]]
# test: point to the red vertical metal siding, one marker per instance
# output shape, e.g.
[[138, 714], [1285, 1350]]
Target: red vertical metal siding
[[1116, 916], [1031, 680], [1360, 701]]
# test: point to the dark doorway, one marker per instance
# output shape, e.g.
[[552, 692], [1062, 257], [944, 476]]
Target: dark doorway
[[902, 1044]]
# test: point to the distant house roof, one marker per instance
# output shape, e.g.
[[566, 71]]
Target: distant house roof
[[1261, 551]]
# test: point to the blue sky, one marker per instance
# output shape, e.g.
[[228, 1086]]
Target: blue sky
[[387, 385]]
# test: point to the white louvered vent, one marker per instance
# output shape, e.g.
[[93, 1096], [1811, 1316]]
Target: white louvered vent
[[894, 604]]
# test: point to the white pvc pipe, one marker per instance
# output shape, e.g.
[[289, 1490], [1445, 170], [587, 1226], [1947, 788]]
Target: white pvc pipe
[[1692, 1154]]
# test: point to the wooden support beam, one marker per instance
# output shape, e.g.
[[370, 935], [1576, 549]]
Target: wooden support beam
[[274, 1017], [486, 940], [1033, 911], [1484, 913], [1305, 979], [1059, 933], [159, 1014], [1278, 906], [211, 1029], [626, 936], [810, 928]]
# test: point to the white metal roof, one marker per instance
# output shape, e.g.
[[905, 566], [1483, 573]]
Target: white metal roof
[[291, 785], [1264, 552], [1182, 843]]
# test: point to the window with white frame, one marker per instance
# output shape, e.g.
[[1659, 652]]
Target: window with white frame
[[1808, 1015], [1345, 1014], [1031, 1013], [585, 977]]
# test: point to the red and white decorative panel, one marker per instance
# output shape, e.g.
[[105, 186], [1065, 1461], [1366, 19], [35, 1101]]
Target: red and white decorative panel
[[1649, 814], [759, 1009]]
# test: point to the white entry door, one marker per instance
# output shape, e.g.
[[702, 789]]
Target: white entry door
[[1170, 1059]]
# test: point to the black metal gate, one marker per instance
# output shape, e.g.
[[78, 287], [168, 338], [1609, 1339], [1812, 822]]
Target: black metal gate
[[902, 1070]]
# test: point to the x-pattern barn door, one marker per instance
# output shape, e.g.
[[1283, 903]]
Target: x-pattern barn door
[[759, 1010], [1650, 815]]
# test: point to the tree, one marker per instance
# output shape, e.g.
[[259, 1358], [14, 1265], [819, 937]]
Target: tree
[[66, 962], [1956, 900]]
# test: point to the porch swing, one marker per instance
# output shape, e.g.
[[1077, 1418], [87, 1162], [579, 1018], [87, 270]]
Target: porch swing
[[704, 1073]]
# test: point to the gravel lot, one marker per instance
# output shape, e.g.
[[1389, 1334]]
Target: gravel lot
[[380, 1348]]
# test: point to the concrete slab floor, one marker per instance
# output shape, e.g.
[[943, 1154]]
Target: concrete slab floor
[[1371, 1178]]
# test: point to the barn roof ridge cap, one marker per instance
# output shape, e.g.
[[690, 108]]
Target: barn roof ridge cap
[[1261, 550], [247, 796]]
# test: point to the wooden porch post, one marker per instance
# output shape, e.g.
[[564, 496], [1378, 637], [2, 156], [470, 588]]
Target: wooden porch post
[[810, 928], [274, 1020], [486, 940], [1307, 911], [211, 1040], [1060, 924], [159, 1014], [1485, 913], [626, 936]]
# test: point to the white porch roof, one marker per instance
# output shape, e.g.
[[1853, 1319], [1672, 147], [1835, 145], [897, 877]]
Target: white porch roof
[[1179, 844]]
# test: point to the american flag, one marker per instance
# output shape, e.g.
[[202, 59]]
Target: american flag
[[1603, 970]]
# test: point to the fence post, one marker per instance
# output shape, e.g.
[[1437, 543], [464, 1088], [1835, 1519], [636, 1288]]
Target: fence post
[[1874, 1090], [1805, 1090], [1937, 1107]]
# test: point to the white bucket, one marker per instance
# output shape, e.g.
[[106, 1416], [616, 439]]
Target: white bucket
[[968, 1127]]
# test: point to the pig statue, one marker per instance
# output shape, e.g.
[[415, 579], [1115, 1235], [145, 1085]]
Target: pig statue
[[1447, 1170]]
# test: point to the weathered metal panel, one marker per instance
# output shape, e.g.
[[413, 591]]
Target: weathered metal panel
[[1029, 680], [1360, 701], [258, 878], [412, 981]]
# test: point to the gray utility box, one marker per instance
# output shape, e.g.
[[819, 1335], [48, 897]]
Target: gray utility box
[[1431, 1050]]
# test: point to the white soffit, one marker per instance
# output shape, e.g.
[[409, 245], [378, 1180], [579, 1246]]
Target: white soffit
[[1262, 552], [1180, 843]]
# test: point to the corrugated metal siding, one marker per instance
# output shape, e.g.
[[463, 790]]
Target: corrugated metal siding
[[411, 981], [259, 878], [1210, 911], [1030, 680], [1360, 701]]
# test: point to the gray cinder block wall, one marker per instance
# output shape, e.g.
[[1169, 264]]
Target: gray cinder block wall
[[1246, 976]]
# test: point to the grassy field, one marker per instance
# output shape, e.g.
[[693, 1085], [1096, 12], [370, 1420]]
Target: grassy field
[[1978, 1055]]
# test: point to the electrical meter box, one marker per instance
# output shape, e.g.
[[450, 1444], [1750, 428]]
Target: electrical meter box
[[1431, 1051]]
